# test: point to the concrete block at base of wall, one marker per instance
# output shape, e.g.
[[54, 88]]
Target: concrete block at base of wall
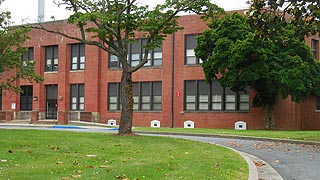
[[95, 117], [22, 115], [34, 116], [63, 117], [9, 115]]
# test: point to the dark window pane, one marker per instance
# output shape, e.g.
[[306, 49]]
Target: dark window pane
[[191, 41], [77, 96], [315, 48], [52, 91], [190, 44], [318, 103], [157, 88], [48, 52], [26, 98], [203, 98], [77, 56], [51, 60], [216, 95], [135, 53], [190, 97], [113, 89], [230, 99]]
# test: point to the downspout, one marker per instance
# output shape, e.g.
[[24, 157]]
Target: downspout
[[172, 82]]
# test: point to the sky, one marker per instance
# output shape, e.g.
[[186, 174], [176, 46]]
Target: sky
[[23, 11]]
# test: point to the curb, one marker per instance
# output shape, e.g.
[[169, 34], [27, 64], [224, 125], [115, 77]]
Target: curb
[[235, 137]]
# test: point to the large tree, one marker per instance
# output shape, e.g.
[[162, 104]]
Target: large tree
[[265, 50], [11, 50], [111, 26]]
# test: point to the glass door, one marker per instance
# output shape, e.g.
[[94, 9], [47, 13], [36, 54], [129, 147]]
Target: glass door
[[51, 101]]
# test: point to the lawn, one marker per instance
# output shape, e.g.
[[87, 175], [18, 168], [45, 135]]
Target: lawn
[[292, 135], [35, 154]]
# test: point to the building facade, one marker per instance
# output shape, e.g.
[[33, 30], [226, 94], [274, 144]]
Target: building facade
[[82, 83]]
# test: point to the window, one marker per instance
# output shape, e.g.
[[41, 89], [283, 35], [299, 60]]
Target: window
[[315, 48], [26, 98], [78, 57], [230, 100], [191, 93], [114, 96], [190, 45], [156, 96], [318, 103], [77, 97], [147, 96], [200, 96], [51, 60], [136, 54], [113, 61], [216, 96], [244, 101], [27, 57]]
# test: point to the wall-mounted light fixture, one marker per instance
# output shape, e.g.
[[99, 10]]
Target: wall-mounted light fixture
[[60, 97], [35, 98]]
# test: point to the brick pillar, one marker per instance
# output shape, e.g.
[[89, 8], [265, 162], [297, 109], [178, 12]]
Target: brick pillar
[[9, 115], [63, 117], [34, 116]]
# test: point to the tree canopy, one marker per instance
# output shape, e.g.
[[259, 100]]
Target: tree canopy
[[11, 50], [264, 50], [112, 25]]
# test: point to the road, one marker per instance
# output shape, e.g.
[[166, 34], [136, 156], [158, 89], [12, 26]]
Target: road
[[291, 161]]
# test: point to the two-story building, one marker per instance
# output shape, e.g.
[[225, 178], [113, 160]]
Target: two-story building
[[81, 83]]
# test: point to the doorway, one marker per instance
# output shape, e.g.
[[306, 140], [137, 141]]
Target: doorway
[[51, 101]]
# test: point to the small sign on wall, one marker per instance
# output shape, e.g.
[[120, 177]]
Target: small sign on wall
[[13, 106], [178, 93]]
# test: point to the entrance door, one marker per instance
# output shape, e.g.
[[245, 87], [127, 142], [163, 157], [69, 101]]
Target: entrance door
[[52, 108], [51, 101]]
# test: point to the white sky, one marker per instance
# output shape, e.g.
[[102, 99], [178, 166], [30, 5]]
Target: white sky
[[27, 10]]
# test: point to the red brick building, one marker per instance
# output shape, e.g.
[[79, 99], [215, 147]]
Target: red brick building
[[81, 83]]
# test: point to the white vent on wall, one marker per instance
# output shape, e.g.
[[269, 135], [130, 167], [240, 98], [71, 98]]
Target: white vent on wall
[[155, 124], [188, 124], [112, 122], [240, 125]]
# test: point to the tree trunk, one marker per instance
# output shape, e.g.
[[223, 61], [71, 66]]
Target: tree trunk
[[268, 117], [125, 126]]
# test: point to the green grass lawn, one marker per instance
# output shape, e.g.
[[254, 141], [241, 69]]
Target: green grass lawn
[[35, 154], [292, 135]]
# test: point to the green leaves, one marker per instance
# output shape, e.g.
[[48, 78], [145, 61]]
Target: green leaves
[[11, 50], [261, 51]]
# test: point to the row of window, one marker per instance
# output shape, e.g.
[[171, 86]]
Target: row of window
[[147, 96], [201, 96], [136, 53], [52, 60]]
